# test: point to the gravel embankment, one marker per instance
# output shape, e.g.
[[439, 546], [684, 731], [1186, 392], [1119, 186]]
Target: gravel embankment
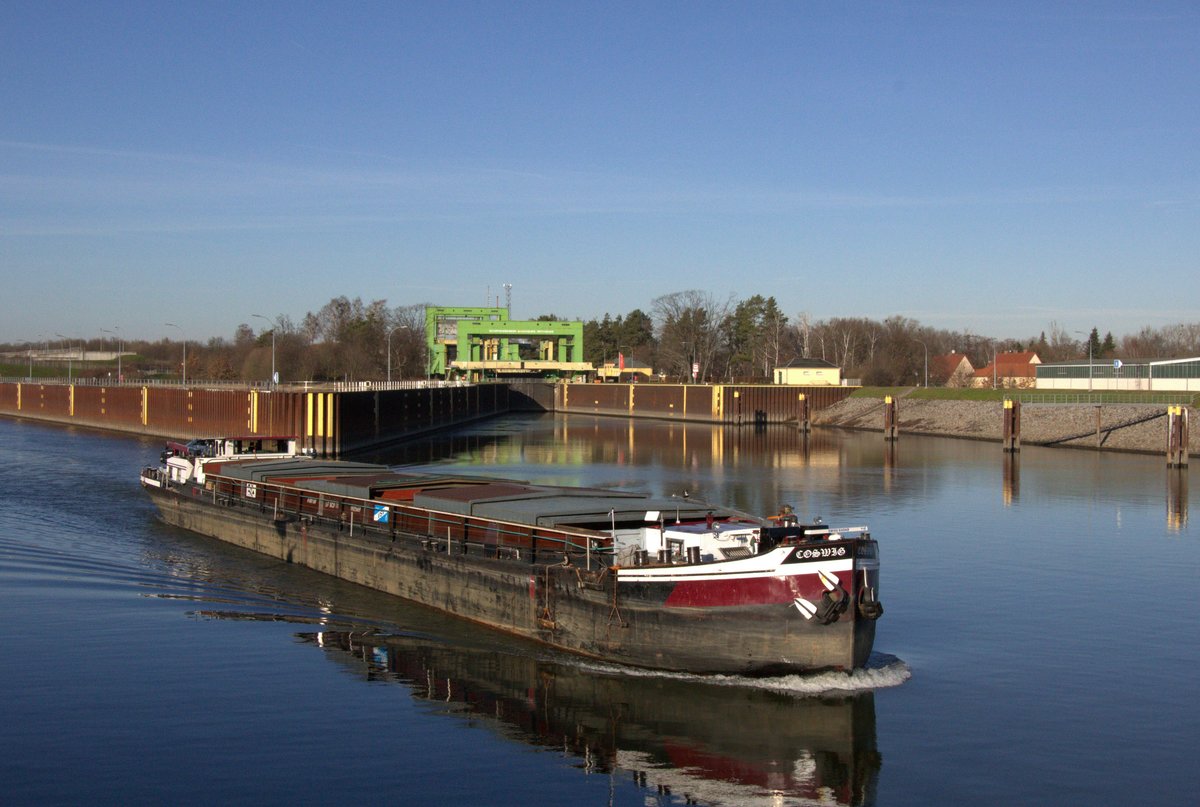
[[1040, 423]]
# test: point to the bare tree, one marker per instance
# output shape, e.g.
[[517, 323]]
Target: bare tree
[[688, 324], [1171, 341], [804, 331], [407, 330]]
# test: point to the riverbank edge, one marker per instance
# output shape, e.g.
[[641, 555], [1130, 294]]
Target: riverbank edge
[[1125, 428]]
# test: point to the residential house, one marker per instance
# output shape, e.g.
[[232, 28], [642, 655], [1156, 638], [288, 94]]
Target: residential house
[[626, 370], [809, 373], [951, 370], [1009, 371]]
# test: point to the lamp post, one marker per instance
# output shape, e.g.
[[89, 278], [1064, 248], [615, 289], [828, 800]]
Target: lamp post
[[389, 349], [273, 325], [1089, 344], [67, 342], [120, 349], [992, 342], [926, 361], [43, 348], [182, 374]]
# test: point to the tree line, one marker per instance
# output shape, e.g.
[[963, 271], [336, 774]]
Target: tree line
[[723, 339], [727, 339]]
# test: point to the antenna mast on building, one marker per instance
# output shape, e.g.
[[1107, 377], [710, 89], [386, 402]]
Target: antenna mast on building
[[508, 299]]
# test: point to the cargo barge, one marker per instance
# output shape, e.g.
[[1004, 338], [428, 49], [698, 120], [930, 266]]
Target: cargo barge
[[663, 583]]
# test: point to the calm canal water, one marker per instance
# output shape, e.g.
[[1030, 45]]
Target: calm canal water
[[1039, 645]]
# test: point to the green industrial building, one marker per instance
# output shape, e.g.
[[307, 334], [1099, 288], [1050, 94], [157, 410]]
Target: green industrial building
[[479, 343]]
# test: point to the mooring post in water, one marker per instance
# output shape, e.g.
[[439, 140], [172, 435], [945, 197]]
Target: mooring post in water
[[1177, 499], [1012, 426], [889, 418], [1012, 479], [802, 419], [1098, 441], [1177, 436]]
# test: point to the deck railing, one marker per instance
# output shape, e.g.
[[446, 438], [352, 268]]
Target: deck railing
[[445, 532]]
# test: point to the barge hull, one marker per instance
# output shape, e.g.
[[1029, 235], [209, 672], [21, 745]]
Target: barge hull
[[580, 611]]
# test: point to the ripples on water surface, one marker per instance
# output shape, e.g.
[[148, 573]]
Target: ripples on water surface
[[1039, 643]]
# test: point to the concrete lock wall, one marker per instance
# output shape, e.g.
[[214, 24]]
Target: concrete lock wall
[[734, 404], [333, 423]]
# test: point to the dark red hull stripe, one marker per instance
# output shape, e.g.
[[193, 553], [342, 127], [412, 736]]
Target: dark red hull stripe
[[712, 593], [752, 591]]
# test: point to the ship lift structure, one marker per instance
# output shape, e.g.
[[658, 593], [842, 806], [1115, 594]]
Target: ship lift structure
[[483, 343]]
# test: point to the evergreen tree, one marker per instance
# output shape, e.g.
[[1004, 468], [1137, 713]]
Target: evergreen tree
[[1093, 343], [1109, 346], [1041, 347]]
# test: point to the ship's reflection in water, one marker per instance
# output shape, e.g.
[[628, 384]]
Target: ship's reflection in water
[[690, 740]]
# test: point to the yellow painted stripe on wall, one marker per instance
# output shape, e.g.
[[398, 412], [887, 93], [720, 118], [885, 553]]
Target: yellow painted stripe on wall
[[329, 415]]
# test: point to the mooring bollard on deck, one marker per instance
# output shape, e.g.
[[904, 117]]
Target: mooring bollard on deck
[[1177, 436], [1012, 426], [890, 425]]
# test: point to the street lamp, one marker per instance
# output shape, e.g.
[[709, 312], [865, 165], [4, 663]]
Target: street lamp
[[991, 341], [389, 348], [67, 341], [43, 344], [120, 349], [1089, 344], [926, 361], [273, 325], [183, 374]]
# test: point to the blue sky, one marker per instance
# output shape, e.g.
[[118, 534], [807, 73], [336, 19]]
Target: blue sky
[[992, 167]]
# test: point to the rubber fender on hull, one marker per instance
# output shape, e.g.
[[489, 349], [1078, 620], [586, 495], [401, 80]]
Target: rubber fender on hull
[[869, 609], [831, 606]]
